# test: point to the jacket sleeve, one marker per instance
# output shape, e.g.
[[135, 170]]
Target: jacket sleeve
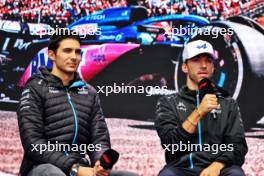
[[31, 127], [234, 135], [99, 131], [168, 125]]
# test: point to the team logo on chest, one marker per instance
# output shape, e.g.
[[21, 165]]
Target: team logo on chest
[[82, 90], [218, 110], [181, 106], [53, 90]]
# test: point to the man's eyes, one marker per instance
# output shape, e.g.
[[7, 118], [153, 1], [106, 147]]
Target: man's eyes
[[67, 50], [71, 50], [209, 61], [78, 51]]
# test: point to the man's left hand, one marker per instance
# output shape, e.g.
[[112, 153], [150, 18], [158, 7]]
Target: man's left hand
[[213, 170], [99, 170]]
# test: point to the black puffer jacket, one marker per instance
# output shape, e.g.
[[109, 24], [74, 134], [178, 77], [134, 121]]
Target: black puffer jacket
[[51, 113], [226, 128]]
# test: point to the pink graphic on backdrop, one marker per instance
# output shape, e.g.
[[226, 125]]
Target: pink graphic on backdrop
[[97, 57], [25, 76]]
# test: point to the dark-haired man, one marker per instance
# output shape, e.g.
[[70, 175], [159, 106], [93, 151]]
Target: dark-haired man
[[58, 113]]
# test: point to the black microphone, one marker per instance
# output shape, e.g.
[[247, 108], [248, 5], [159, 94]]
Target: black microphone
[[206, 86], [109, 158]]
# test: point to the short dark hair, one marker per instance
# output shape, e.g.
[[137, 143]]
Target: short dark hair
[[57, 37]]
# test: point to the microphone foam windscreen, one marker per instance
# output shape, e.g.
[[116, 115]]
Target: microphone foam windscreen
[[205, 86], [109, 158]]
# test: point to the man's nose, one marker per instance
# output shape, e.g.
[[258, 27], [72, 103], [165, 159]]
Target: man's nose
[[74, 55], [203, 64]]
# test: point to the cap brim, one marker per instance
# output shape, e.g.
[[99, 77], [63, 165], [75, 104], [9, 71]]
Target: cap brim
[[210, 54]]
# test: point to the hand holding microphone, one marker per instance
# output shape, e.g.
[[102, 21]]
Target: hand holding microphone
[[208, 94], [208, 104], [99, 170], [102, 166], [106, 162]]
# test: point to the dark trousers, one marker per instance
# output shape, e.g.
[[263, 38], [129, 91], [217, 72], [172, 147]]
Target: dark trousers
[[176, 171], [51, 170]]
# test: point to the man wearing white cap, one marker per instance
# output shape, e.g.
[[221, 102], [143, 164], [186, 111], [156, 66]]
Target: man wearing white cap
[[195, 143]]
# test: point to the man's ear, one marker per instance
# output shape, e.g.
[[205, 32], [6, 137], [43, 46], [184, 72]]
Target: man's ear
[[184, 68], [51, 55]]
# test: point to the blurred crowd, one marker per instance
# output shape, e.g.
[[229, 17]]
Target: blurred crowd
[[67, 11], [53, 11], [212, 9]]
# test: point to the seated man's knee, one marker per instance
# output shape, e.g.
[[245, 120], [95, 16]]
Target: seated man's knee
[[46, 170], [171, 171], [166, 172], [122, 173], [232, 171]]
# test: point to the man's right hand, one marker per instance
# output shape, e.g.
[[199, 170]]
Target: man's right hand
[[85, 171], [97, 170], [209, 102]]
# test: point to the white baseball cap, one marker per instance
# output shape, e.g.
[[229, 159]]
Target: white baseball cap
[[195, 48]]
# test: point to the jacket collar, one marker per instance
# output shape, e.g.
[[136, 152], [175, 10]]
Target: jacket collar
[[55, 81], [188, 94]]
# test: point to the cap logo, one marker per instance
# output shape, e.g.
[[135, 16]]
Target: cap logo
[[202, 46]]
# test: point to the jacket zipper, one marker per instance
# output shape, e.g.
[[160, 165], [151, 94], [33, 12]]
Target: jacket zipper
[[75, 116], [199, 123], [199, 131]]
